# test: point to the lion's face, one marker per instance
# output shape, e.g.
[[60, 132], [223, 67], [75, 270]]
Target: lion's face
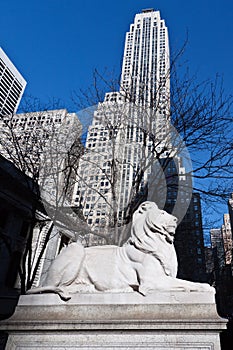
[[169, 224], [149, 218]]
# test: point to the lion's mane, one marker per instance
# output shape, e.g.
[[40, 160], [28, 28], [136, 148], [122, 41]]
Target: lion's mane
[[150, 234]]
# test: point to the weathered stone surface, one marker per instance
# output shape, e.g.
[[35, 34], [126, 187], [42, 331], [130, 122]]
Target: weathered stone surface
[[161, 321]]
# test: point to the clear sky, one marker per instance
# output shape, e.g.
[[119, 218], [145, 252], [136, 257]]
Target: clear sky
[[56, 44]]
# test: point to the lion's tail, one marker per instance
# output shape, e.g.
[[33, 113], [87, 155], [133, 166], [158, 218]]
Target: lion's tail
[[63, 271], [50, 289]]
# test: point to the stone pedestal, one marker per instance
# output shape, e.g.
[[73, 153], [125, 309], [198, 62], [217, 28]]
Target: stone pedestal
[[161, 321]]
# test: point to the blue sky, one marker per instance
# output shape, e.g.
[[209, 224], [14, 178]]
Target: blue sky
[[56, 44]]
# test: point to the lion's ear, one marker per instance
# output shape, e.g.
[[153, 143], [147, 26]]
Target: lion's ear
[[144, 205]]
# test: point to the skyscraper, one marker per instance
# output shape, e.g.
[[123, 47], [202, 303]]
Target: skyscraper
[[145, 66], [129, 129], [130, 154], [12, 86], [227, 238]]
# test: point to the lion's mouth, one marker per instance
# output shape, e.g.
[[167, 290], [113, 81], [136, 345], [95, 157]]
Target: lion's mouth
[[171, 230]]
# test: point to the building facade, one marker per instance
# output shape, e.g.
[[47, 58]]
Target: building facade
[[18, 201], [12, 86], [222, 274], [189, 243], [126, 126], [45, 146], [230, 210], [178, 198], [146, 61], [227, 238], [30, 133], [129, 156]]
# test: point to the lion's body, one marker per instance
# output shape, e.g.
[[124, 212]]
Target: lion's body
[[146, 262]]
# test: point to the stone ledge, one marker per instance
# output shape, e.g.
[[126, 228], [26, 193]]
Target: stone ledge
[[125, 311], [161, 321], [120, 298]]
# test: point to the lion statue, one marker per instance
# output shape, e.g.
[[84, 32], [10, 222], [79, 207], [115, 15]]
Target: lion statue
[[146, 262]]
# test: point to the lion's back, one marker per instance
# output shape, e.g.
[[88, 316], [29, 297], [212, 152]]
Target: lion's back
[[102, 266]]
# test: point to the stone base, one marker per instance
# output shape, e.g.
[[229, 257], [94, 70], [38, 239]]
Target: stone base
[[162, 321]]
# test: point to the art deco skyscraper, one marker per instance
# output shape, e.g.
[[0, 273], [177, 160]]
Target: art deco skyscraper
[[118, 143], [146, 60], [145, 80], [12, 86], [132, 151]]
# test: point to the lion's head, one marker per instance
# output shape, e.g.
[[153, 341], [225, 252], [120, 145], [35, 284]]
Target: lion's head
[[153, 232], [148, 219]]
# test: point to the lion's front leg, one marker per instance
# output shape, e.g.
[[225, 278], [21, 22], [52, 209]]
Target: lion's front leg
[[149, 274], [152, 277], [187, 286]]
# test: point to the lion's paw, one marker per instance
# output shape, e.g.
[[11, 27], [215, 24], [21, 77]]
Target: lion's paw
[[205, 287], [200, 287]]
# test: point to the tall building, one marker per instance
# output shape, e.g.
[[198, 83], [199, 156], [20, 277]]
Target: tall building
[[130, 131], [145, 67], [189, 243], [41, 144], [217, 248], [145, 78], [131, 155], [173, 197], [115, 168], [24, 136], [227, 238], [230, 210], [221, 242], [12, 86]]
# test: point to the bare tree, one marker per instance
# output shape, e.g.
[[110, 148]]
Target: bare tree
[[130, 149], [189, 123], [26, 141]]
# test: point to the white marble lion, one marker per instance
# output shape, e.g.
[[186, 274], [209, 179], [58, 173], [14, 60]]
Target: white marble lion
[[147, 261]]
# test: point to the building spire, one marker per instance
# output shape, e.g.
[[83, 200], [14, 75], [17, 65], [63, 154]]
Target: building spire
[[148, 10]]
